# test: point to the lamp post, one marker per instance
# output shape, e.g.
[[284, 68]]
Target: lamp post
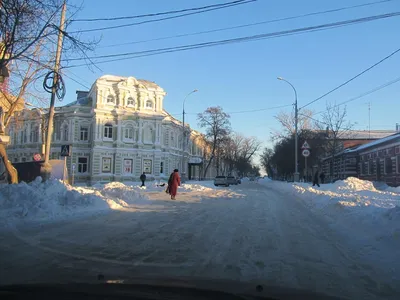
[[296, 137], [183, 135]]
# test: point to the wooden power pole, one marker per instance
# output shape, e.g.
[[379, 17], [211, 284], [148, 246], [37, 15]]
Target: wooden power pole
[[46, 167]]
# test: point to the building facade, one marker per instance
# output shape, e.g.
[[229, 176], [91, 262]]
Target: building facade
[[378, 160], [116, 131]]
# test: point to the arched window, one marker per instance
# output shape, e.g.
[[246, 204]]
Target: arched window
[[130, 101], [148, 134], [65, 132], [25, 135], [149, 104], [108, 131], [128, 132], [35, 134], [110, 99]]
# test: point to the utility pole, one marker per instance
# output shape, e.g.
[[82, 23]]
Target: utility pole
[[184, 136], [46, 167], [296, 176]]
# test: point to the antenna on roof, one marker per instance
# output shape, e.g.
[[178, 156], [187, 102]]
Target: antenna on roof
[[369, 120]]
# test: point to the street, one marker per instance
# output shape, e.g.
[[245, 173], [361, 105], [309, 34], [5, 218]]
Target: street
[[248, 232]]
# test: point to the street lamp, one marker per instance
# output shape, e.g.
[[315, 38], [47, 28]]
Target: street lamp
[[183, 134], [296, 171]]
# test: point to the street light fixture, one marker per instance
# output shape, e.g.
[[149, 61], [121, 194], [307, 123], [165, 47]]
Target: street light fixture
[[296, 137], [183, 134]]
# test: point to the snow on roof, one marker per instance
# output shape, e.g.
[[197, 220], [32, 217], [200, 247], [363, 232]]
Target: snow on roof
[[367, 135], [376, 143]]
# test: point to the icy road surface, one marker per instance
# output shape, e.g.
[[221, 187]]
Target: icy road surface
[[249, 232]]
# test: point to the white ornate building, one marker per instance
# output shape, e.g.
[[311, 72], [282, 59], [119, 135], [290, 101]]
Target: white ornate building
[[116, 131]]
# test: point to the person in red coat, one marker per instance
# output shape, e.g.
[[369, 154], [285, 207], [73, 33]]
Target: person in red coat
[[174, 182]]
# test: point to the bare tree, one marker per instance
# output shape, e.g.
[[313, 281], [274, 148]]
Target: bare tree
[[337, 128], [217, 125], [287, 121], [237, 152], [27, 52]]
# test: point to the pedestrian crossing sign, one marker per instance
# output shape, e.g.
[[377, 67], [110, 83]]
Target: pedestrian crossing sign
[[65, 150]]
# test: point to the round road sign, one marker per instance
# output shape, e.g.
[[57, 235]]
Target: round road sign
[[306, 153], [37, 157]]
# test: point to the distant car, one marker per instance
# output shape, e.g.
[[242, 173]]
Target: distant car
[[252, 179], [221, 180], [232, 180]]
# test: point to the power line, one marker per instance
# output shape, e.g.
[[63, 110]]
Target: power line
[[355, 98], [354, 77], [130, 55], [249, 111], [378, 88], [235, 3], [158, 14], [248, 25]]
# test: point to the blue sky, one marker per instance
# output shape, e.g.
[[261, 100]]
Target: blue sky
[[243, 76]]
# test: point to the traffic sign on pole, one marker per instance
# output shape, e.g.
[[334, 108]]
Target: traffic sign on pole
[[65, 150], [306, 153], [305, 145]]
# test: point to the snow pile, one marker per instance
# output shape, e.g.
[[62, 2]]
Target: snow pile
[[352, 204], [54, 200], [122, 194], [197, 186], [46, 200], [264, 179]]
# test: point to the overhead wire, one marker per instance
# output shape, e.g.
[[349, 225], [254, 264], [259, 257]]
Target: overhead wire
[[165, 18], [159, 13], [176, 114], [130, 55], [250, 24], [378, 88], [352, 78]]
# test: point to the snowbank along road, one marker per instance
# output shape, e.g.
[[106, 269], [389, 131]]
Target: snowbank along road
[[250, 232]]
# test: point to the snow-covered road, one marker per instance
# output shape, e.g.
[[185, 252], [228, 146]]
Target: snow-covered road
[[249, 232]]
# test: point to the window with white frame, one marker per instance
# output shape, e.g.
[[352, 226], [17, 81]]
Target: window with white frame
[[35, 134], [130, 101], [108, 131], [106, 165], [83, 164], [364, 168], [128, 132], [149, 104], [25, 135], [388, 165], [128, 166], [371, 167], [110, 99], [84, 133], [148, 135], [65, 132]]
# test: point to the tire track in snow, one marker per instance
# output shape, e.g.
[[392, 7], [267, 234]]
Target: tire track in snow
[[346, 262]]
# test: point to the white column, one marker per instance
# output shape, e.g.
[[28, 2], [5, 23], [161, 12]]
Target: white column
[[140, 140], [119, 130]]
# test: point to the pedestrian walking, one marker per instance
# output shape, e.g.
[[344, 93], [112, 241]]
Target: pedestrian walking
[[173, 183], [169, 183], [316, 178], [322, 176], [143, 178]]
